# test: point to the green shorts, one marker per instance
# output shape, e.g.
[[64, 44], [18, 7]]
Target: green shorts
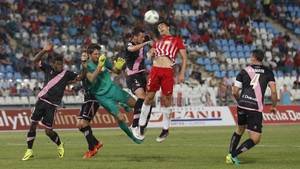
[[111, 99]]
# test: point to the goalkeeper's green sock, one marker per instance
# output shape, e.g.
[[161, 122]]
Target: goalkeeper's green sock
[[124, 127]]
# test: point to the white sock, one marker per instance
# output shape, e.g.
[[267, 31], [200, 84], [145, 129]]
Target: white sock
[[144, 114], [166, 111]]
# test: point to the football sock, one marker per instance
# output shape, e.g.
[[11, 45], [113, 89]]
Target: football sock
[[235, 139], [54, 137], [144, 114], [125, 128], [248, 144], [137, 112], [30, 139], [149, 116], [166, 117], [90, 138]]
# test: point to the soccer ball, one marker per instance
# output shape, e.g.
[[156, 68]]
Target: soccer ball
[[151, 16]]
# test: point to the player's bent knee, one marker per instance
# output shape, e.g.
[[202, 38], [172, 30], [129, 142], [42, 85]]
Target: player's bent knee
[[48, 132]]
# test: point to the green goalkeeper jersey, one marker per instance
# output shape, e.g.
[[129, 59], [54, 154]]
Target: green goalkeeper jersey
[[103, 81]]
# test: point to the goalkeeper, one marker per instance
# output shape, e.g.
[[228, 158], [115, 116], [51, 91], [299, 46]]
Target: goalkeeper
[[105, 90]]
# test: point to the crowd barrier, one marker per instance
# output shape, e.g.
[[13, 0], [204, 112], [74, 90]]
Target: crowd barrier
[[187, 116]]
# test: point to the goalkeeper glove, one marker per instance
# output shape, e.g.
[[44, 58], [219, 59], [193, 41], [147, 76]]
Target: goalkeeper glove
[[101, 60], [119, 63]]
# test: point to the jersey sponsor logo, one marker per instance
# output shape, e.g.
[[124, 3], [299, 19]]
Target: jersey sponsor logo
[[248, 97]]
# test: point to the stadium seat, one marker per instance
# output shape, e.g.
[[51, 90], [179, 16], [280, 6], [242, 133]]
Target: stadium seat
[[200, 61]]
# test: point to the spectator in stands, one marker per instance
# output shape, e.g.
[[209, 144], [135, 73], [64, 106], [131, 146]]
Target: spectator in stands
[[297, 63], [4, 57], [13, 91], [36, 89], [25, 91], [223, 93], [285, 96]]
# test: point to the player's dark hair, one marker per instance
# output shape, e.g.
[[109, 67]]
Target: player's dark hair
[[136, 31], [164, 21], [258, 54], [93, 47], [57, 57]]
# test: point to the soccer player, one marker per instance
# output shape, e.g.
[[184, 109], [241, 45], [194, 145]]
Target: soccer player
[[87, 112], [165, 51], [252, 82], [107, 93], [136, 73], [56, 79]]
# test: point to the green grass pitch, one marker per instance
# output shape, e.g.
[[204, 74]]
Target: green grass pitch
[[185, 148]]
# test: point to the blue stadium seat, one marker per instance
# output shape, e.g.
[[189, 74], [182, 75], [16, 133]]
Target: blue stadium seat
[[231, 73], [225, 48], [2, 69], [279, 73], [247, 48], [239, 48], [9, 75], [33, 75], [240, 54], [9, 68], [254, 24], [200, 61], [297, 31], [217, 74], [231, 42], [207, 61], [40, 76], [224, 42], [215, 67], [18, 76], [234, 55], [208, 67], [232, 48]]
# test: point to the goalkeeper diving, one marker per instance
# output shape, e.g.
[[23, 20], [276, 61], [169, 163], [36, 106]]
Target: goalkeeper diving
[[107, 93]]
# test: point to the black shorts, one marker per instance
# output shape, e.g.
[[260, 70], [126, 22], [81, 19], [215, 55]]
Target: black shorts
[[136, 81], [45, 112], [253, 119], [88, 110]]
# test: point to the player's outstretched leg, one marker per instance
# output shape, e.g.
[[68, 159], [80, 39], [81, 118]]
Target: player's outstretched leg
[[129, 133], [30, 139], [55, 138]]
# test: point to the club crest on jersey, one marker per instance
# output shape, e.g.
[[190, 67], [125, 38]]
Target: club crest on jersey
[[167, 42]]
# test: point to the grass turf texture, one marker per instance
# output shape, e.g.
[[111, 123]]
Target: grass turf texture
[[185, 148]]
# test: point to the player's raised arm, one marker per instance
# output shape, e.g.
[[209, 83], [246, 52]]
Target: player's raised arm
[[92, 76], [133, 48], [38, 57], [118, 65]]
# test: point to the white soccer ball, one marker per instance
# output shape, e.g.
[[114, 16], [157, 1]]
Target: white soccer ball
[[151, 16]]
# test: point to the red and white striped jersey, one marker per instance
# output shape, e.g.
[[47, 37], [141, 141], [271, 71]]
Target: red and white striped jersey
[[168, 46]]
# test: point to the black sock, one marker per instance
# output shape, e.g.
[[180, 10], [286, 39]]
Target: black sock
[[54, 137], [137, 111], [90, 138], [148, 118], [235, 139], [30, 139], [248, 144]]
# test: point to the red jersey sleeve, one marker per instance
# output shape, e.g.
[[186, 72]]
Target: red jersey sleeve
[[180, 43], [154, 44]]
